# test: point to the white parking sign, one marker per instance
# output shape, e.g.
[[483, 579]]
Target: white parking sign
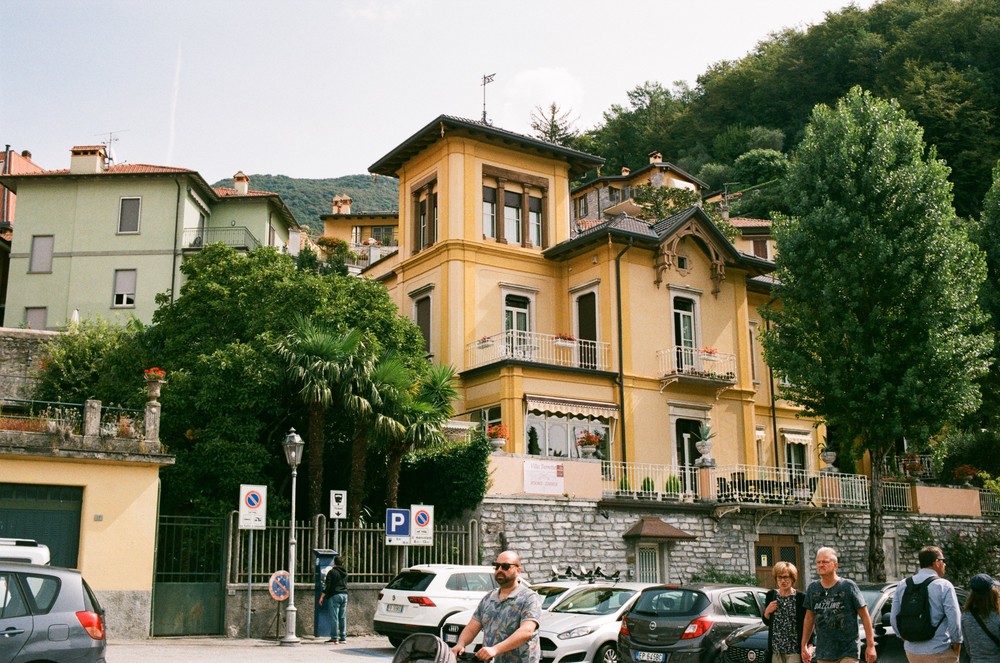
[[253, 507], [422, 527]]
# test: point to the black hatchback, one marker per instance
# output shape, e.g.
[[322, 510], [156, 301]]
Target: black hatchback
[[686, 623]]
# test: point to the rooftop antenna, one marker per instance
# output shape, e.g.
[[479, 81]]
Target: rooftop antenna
[[487, 79], [109, 143]]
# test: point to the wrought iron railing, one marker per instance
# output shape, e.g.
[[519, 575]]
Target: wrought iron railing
[[919, 466], [690, 362], [41, 416], [649, 481], [238, 237], [989, 503], [552, 349]]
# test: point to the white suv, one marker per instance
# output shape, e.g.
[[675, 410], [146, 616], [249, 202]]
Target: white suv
[[421, 597]]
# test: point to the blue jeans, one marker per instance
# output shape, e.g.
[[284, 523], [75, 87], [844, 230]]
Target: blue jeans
[[337, 607]]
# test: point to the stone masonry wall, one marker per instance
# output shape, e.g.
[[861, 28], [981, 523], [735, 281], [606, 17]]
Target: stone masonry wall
[[560, 532], [21, 352]]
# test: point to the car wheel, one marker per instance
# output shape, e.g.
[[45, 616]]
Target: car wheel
[[608, 653], [395, 640]]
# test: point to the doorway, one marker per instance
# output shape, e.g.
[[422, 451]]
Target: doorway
[[771, 549]]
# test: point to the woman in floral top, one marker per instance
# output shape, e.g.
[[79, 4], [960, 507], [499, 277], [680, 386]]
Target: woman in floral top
[[784, 614]]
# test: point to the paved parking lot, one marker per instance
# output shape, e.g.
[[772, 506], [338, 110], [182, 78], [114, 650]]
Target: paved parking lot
[[230, 650]]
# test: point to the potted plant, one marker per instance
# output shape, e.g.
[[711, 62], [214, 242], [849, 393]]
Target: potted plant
[[708, 353], [497, 435], [155, 378], [533, 447], [484, 342], [648, 488], [588, 442], [624, 487], [964, 474], [703, 441], [827, 455], [565, 340], [672, 487]]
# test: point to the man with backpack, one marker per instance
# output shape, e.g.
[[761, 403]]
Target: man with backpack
[[925, 612]]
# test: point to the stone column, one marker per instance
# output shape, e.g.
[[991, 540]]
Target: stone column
[[152, 426], [91, 418]]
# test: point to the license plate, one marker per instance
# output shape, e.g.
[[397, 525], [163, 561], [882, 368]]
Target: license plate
[[652, 657], [393, 608], [451, 638]]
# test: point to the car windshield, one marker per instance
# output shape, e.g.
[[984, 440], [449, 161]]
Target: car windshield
[[670, 601], [411, 581], [871, 598], [595, 601], [549, 594]]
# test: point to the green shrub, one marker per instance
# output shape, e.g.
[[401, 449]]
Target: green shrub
[[452, 477], [712, 574], [648, 486], [673, 484]]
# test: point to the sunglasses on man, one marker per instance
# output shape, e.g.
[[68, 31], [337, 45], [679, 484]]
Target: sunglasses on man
[[504, 566]]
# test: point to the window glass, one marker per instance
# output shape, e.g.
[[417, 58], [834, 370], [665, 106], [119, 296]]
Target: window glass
[[43, 589], [512, 217], [471, 582], [128, 216], [670, 602], [535, 220], [124, 287], [12, 603], [413, 581], [41, 253], [423, 312], [741, 604], [489, 211]]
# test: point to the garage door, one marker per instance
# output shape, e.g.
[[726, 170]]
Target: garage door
[[47, 514]]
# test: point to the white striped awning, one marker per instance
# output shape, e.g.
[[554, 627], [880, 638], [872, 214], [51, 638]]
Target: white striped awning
[[796, 437], [580, 408]]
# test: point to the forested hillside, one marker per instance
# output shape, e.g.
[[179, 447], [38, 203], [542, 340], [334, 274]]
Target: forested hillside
[[308, 199], [937, 58]]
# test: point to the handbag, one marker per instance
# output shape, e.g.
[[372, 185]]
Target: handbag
[[986, 630]]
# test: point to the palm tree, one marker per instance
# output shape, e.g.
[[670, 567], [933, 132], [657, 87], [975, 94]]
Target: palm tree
[[377, 391], [423, 416], [324, 364]]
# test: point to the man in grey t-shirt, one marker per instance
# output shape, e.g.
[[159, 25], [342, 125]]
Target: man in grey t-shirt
[[833, 606]]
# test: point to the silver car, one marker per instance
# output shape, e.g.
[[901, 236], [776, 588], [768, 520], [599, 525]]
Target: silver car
[[583, 624], [48, 613]]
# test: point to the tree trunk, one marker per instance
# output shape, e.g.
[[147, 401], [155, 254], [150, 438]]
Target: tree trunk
[[876, 529], [314, 458], [356, 494], [395, 462]]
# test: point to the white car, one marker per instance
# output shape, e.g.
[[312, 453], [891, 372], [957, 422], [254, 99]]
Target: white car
[[549, 592], [421, 597], [583, 625]]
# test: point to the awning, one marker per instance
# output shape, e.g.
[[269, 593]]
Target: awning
[[796, 437], [555, 405], [654, 529]]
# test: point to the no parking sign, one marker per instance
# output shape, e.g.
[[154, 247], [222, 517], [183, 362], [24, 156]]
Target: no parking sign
[[253, 507], [422, 527]]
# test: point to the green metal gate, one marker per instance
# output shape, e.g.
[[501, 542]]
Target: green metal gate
[[189, 587]]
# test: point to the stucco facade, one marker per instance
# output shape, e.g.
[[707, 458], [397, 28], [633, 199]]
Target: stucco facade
[[103, 240]]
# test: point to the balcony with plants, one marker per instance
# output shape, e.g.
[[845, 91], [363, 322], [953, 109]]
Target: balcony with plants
[[705, 364], [549, 349], [238, 237]]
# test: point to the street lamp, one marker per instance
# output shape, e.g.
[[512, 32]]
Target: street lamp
[[293, 454]]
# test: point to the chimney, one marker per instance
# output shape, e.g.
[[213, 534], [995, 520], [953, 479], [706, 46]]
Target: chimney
[[87, 159], [26, 154], [655, 157], [626, 170], [342, 204], [241, 183]]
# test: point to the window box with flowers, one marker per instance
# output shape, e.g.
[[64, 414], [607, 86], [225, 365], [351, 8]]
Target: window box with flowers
[[484, 342], [708, 353], [565, 340], [497, 435]]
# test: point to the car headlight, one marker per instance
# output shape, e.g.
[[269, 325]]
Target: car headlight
[[576, 632]]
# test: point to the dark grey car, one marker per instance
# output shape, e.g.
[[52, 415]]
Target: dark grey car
[[48, 614], [686, 623]]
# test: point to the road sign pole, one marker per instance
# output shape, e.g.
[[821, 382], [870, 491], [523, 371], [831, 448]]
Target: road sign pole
[[249, 579]]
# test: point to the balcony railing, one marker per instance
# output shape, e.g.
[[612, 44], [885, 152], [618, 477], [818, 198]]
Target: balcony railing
[[366, 254], [681, 361], [540, 349], [238, 237], [918, 466], [752, 484]]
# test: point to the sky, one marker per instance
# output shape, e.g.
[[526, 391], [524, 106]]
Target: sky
[[319, 89]]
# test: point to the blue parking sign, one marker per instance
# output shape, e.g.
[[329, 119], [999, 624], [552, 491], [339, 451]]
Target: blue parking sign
[[397, 527]]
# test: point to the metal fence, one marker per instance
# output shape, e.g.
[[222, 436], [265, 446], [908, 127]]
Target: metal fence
[[366, 556], [40, 416], [989, 503]]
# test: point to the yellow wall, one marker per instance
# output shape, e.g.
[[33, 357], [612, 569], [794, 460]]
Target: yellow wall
[[116, 552]]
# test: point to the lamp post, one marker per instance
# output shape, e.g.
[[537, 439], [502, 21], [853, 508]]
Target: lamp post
[[293, 453]]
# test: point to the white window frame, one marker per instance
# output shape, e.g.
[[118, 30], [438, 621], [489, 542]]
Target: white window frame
[[489, 213], [122, 298], [42, 247], [686, 357], [138, 215], [753, 351]]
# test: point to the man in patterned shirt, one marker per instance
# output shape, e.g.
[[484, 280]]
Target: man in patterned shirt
[[508, 617]]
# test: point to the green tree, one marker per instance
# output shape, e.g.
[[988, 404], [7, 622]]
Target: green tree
[[661, 202], [423, 417], [321, 363], [553, 125], [879, 331]]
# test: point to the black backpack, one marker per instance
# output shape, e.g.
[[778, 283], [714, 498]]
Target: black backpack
[[913, 622]]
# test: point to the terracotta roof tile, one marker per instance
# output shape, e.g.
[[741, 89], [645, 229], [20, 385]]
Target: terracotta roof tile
[[225, 192], [122, 169], [743, 222]]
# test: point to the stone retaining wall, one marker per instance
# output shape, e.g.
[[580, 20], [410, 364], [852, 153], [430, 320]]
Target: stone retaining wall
[[21, 352]]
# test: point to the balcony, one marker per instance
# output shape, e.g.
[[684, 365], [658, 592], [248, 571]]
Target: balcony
[[238, 237], [363, 255], [535, 348], [689, 364]]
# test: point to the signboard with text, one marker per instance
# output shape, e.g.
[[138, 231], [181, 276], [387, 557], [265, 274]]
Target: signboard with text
[[397, 527], [422, 525], [253, 507]]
